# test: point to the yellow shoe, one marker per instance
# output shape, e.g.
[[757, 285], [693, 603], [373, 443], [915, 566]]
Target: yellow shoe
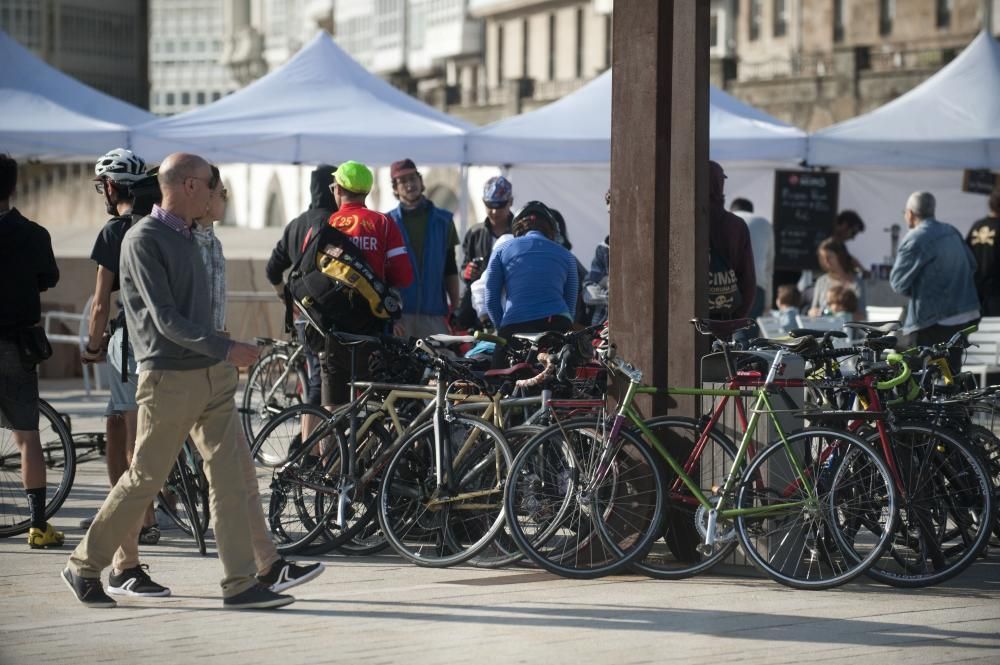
[[39, 539]]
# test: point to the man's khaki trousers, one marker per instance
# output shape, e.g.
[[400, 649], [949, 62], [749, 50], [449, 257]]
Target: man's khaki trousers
[[173, 403]]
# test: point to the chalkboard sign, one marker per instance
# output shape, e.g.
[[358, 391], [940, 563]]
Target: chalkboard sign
[[980, 181], [805, 205]]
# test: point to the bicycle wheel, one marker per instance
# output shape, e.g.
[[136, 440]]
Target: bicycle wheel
[[502, 550], [987, 445], [271, 387], [707, 458], [827, 530], [442, 527], [299, 495], [185, 496], [568, 522], [946, 508], [60, 462]]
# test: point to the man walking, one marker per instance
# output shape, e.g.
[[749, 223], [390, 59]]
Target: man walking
[[187, 381], [935, 268], [985, 246], [431, 238], [27, 267], [732, 278]]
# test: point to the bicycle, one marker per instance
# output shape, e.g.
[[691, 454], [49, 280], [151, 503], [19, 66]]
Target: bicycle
[[330, 479], [586, 499], [276, 381], [59, 453], [185, 496]]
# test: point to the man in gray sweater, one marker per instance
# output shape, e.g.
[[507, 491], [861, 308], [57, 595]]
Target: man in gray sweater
[[187, 380]]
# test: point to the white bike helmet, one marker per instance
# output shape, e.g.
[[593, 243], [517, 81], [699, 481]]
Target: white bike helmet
[[120, 165]]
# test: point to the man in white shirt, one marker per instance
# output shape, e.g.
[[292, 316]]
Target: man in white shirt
[[762, 242]]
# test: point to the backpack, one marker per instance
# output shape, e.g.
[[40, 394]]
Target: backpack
[[335, 289], [723, 287]]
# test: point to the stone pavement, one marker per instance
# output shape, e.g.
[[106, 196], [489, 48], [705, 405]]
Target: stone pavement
[[381, 610]]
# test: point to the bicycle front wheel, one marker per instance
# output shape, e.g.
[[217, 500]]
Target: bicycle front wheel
[[580, 506], [820, 515], [443, 524], [60, 462], [946, 508]]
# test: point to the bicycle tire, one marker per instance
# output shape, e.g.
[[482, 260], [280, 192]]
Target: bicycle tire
[[946, 507], [987, 445], [817, 544], [254, 412], [190, 488], [573, 534], [290, 492], [502, 550], [673, 555], [445, 534], [59, 452]]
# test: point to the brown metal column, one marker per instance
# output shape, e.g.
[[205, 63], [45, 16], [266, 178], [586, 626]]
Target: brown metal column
[[659, 153]]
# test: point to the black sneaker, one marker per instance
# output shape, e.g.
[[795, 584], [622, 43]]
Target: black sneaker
[[257, 597], [88, 590], [136, 582], [285, 574]]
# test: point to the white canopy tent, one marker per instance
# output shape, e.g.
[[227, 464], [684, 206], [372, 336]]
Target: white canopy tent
[[950, 121], [560, 154], [577, 129], [47, 115], [320, 106], [923, 140]]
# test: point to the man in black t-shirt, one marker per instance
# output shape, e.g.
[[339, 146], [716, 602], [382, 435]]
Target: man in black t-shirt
[[985, 246], [116, 172], [27, 267]]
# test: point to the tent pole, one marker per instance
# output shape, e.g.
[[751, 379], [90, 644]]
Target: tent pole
[[463, 199]]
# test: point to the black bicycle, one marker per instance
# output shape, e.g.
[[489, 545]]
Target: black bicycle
[[184, 497]]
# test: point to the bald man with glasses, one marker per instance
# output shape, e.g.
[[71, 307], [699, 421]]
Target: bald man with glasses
[[187, 382]]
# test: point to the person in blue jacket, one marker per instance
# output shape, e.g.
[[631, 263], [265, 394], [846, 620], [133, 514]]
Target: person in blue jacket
[[431, 239], [537, 275]]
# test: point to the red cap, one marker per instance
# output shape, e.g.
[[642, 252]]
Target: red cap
[[401, 168]]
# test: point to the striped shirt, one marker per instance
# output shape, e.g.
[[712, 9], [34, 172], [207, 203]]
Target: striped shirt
[[173, 221]]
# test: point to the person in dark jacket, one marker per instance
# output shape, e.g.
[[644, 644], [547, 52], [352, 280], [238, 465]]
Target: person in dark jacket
[[584, 313], [731, 254], [498, 196], [286, 254], [27, 267], [985, 246]]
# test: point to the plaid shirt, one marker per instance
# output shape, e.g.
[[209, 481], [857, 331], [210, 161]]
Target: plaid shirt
[[172, 220], [210, 249]]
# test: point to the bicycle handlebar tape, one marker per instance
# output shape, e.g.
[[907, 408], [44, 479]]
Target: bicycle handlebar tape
[[482, 336], [895, 359]]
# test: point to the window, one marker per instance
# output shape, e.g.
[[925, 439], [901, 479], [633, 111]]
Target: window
[[780, 18], [713, 31], [552, 47], [185, 98], [607, 41], [170, 99], [216, 96], [944, 9], [754, 20], [199, 98], [838, 20], [500, 55], [525, 49], [579, 43], [886, 15]]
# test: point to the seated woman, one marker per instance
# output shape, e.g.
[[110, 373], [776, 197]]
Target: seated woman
[[836, 262], [538, 275]]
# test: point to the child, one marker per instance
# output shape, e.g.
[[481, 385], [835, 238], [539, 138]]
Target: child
[[787, 300], [842, 302]]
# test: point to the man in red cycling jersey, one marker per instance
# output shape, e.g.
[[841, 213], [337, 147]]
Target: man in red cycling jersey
[[385, 251]]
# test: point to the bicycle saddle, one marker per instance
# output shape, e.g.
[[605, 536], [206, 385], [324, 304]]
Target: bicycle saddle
[[874, 328], [812, 332], [798, 345]]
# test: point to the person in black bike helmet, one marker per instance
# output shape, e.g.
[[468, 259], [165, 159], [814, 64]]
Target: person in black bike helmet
[[27, 267], [538, 275]]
